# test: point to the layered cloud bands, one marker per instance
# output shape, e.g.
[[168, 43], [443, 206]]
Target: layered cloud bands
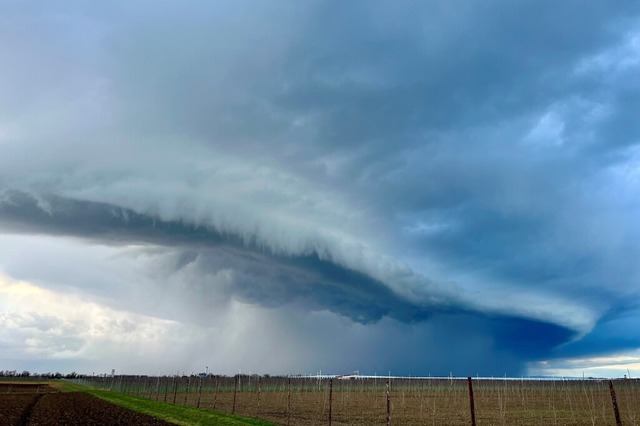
[[429, 177]]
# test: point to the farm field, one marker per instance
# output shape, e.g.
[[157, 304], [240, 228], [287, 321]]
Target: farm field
[[25, 402], [308, 401], [32, 404]]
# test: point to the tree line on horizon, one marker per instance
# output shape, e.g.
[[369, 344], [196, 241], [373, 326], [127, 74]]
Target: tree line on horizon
[[26, 373]]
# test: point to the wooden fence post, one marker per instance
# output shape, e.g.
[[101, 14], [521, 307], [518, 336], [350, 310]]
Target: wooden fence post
[[235, 391], [199, 392], [186, 393], [175, 390], [388, 404], [330, 398], [471, 404], [215, 394], [614, 400], [166, 389], [150, 389], [289, 402], [258, 398]]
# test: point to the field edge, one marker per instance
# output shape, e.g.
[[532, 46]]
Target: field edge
[[180, 415]]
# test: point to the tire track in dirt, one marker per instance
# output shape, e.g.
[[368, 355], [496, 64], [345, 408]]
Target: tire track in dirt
[[26, 414]]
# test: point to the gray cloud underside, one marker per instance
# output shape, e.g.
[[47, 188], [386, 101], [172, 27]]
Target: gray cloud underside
[[494, 146], [269, 280], [262, 278]]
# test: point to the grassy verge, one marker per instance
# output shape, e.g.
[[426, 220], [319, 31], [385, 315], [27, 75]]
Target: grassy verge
[[180, 415]]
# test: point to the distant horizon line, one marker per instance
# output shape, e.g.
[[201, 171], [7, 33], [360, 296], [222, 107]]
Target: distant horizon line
[[319, 375]]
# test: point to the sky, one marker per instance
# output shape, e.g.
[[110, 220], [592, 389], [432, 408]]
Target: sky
[[283, 187]]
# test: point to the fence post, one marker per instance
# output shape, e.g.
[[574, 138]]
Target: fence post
[[388, 404], [150, 389], [166, 390], [235, 391], [614, 400], [175, 390], [258, 400], [215, 394], [199, 392], [186, 393], [330, 398], [471, 404], [289, 402]]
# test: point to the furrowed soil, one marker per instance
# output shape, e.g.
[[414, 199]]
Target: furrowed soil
[[42, 405]]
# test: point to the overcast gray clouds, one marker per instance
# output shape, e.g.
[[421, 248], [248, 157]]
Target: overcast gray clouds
[[287, 187]]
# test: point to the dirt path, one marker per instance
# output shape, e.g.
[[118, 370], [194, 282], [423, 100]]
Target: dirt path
[[26, 414]]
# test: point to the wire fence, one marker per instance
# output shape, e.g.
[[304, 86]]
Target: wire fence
[[370, 401]]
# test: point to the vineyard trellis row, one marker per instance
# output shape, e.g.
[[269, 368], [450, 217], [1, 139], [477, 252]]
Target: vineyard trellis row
[[368, 401]]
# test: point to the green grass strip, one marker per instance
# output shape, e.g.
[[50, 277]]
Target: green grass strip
[[177, 414]]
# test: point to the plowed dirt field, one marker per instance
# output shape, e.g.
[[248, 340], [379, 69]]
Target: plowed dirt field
[[42, 405]]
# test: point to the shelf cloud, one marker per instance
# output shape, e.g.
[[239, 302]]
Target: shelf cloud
[[273, 186]]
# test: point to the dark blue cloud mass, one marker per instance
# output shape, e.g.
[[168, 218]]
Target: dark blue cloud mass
[[424, 171]]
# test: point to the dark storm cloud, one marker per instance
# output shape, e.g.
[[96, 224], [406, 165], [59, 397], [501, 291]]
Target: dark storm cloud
[[269, 280], [428, 159], [264, 278], [614, 332], [381, 76]]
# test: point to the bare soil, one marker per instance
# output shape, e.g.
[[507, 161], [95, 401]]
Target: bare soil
[[42, 405]]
